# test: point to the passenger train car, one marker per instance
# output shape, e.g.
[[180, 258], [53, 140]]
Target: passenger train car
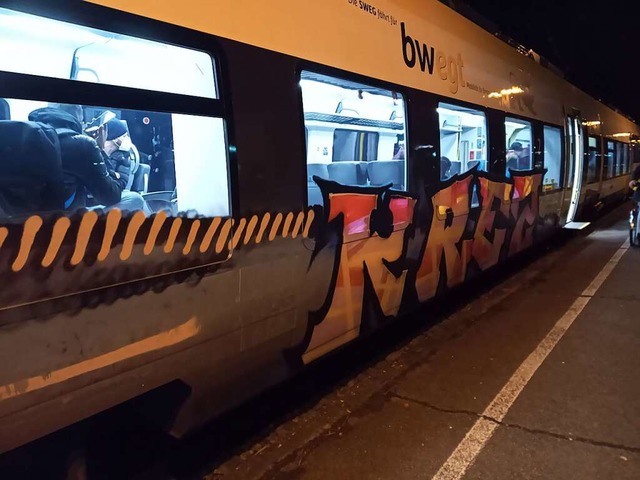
[[308, 172]]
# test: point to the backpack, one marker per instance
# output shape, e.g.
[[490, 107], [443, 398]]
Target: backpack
[[31, 179]]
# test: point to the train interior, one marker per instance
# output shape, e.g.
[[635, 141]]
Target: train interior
[[355, 134], [180, 161], [463, 143], [519, 144]]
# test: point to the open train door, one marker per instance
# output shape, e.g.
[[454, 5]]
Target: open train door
[[575, 171]]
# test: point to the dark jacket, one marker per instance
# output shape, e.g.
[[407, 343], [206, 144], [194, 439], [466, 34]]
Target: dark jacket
[[122, 162], [83, 161], [636, 173]]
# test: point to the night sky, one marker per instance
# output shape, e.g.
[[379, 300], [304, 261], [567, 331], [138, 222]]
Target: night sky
[[596, 43]]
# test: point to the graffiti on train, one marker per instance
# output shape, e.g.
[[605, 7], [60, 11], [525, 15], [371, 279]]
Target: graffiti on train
[[112, 255], [393, 251]]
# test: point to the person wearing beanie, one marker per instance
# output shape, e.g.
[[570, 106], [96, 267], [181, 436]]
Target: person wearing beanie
[[83, 164], [89, 180], [118, 148]]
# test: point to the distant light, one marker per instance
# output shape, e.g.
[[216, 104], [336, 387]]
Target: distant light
[[624, 134], [592, 123]]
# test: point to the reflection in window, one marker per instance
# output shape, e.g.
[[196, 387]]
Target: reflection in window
[[463, 142], [592, 160], [144, 160], [620, 158], [519, 143], [355, 133], [50, 48], [609, 160], [625, 163], [552, 157]]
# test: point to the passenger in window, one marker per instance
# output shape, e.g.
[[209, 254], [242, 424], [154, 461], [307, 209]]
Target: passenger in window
[[84, 163], [399, 155], [119, 149], [445, 168], [522, 158], [512, 162]]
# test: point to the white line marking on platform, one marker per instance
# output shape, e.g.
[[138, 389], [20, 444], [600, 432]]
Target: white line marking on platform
[[476, 438]]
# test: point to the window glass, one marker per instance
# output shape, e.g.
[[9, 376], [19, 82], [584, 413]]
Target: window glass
[[552, 157], [137, 160], [355, 133], [592, 160], [353, 145], [41, 46], [609, 160], [620, 158], [519, 143], [626, 152], [463, 144]]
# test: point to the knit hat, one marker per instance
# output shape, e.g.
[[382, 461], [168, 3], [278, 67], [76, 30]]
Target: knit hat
[[116, 128]]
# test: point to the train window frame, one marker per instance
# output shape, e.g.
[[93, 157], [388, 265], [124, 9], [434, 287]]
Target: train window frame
[[528, 123], [445, 103], [587, 150], [65, 91], [608, 167], [561, 170], [318, 70]]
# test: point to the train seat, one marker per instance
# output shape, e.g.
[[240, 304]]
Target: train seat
[[382, 172], [317, 169], [5, 111], [348, 173], [141, 178]]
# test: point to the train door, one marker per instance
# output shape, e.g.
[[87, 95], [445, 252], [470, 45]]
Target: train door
[[575, 164]]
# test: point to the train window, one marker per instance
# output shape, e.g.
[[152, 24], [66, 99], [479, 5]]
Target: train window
[[463, 142], [625, 163], [552, 157], [353, 145], [620, 158], [40, 46], [136, 160], [609, 160], [519, 144], [355, 133], [592, 160]]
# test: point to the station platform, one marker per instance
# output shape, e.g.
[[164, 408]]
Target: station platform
[[538, 378]]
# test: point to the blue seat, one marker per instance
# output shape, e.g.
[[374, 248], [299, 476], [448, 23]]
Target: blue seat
[[141, 178], [382, 172], [345, 173], [317, 169]]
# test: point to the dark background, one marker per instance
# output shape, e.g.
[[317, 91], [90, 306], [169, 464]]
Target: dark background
[[596, 43]]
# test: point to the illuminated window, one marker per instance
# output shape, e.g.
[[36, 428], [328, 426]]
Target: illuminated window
[[355, 134], [592, 160], [621, 158], [625, 163], [40, 46], [519, 144], [463, 143], [552, 157], [154, 161], [151, 159], [609, 160]]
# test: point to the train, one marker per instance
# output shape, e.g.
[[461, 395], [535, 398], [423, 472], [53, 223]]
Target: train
[[308, 173]]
